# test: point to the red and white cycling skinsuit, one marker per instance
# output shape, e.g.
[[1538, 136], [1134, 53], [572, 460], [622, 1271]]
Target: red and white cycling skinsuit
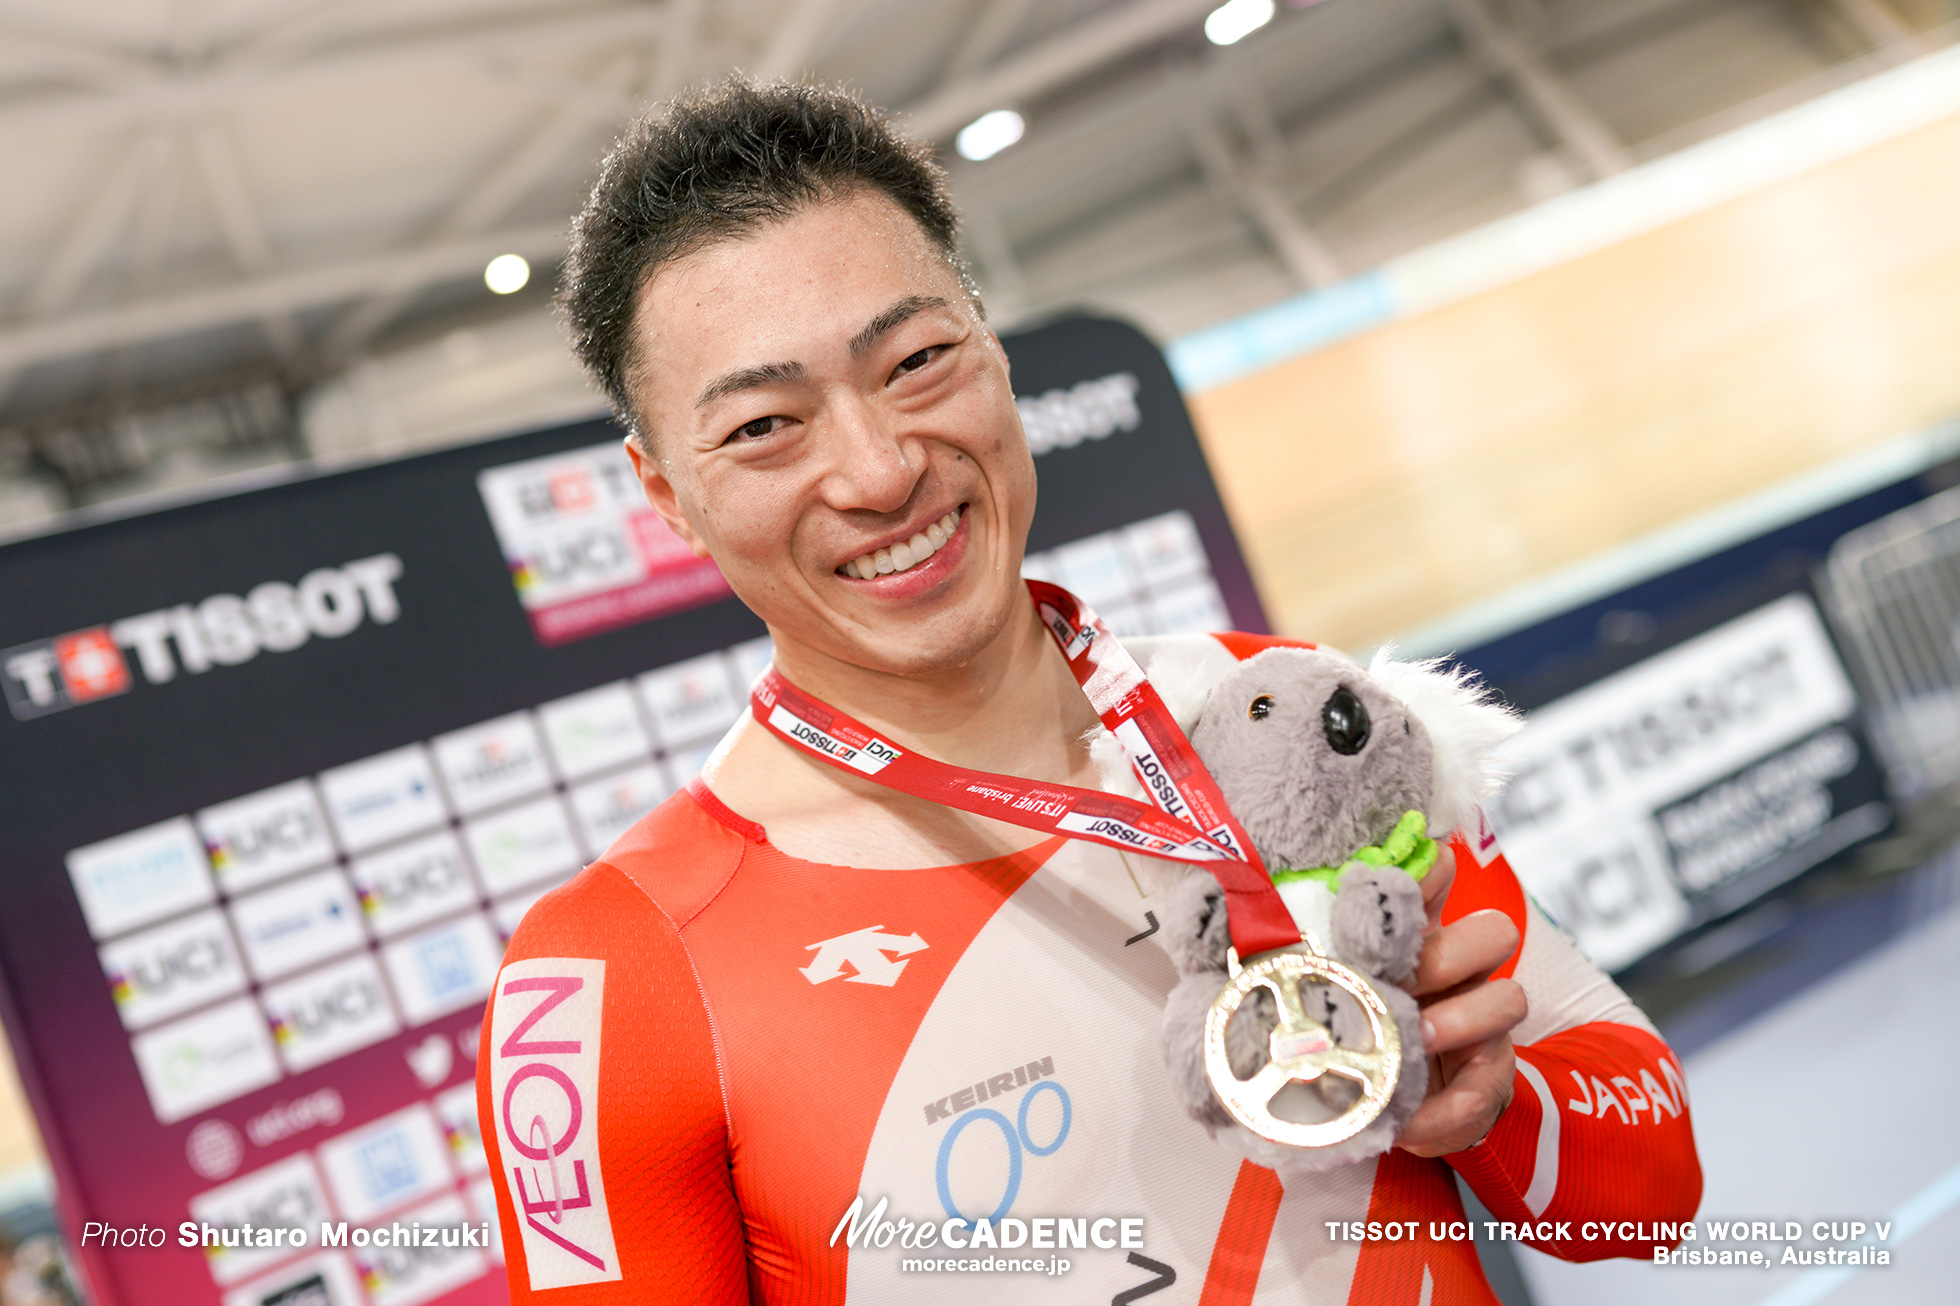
[[701, 1052]]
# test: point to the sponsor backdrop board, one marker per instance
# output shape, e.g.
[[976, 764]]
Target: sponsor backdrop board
[[284, 769], [1694, 741]]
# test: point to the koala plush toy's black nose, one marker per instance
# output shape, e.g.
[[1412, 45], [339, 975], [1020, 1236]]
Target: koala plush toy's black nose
[[1344, 720]]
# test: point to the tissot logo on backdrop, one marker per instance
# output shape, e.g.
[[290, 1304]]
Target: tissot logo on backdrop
[[1087, 410], [224, 630], [1648, 800]]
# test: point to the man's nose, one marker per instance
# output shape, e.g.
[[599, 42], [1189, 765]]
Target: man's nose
[[874, 465]]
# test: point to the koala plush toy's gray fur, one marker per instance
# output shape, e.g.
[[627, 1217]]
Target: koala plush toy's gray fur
[[1318, 758]]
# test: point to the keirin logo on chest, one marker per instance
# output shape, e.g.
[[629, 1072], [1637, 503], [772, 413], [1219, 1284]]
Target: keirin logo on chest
[[1018, 1134], [544, 1037]]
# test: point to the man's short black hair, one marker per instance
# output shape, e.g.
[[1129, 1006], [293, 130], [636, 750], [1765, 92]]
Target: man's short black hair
[[717, 163]]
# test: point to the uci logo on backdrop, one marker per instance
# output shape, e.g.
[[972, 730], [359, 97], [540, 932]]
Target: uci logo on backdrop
[[224, 630]]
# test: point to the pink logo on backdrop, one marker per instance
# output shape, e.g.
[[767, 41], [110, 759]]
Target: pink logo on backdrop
[[672, 579], [585, 552]]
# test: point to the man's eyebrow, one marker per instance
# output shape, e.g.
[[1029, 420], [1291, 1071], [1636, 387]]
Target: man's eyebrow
[[749, 378], [861, 342], [753, 378]]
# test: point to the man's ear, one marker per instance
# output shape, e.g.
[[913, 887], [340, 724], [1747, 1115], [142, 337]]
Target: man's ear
[[660, 495]]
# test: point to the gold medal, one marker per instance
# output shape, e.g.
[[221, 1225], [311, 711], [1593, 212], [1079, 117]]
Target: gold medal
[[1301, 1049]]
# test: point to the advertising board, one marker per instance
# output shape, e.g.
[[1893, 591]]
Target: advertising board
[[1683, 786]]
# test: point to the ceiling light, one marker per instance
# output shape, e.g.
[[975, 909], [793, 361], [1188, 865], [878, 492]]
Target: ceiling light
[[507, 274], [1236, 19], [989, 134]]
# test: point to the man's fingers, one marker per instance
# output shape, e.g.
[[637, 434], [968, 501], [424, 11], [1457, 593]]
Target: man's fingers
[[1482, 1013], [1468, 949], [1436, 884], [1461, 1112]]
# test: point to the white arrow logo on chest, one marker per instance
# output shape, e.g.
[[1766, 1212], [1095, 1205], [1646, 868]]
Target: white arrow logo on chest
[[864, 952]]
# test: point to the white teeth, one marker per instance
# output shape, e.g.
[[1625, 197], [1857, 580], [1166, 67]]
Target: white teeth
[[905, 555]]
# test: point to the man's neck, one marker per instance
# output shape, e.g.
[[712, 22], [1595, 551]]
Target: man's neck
[[1015, 708], [1014, 705]]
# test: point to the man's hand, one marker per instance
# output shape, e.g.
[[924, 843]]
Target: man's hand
[[1467, 1022]]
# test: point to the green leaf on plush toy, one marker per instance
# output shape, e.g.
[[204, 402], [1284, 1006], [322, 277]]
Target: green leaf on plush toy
[[1407, 846]]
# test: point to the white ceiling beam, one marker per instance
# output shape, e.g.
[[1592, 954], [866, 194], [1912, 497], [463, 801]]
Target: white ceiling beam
[[800, 35], [71, 55], [89, 235], [1305, 254], [275, 28], [555, 88], [155, 90], [680, 40], [986, 236], [1875, 22], [1247, 99], [1549, 96], [1049, 63], [988, 36], [231, 197], [290, 291], [1042, 66], [141, 250], [544, 148], [493, 197], [243, 226]]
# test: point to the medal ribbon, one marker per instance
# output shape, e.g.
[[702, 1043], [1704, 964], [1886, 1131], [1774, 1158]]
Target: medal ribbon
[[1189, 822]]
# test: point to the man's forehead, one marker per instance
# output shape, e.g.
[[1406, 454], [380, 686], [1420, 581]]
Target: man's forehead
[[818, 275]]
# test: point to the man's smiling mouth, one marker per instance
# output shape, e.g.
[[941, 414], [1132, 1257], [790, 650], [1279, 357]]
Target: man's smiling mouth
[[905, 555]]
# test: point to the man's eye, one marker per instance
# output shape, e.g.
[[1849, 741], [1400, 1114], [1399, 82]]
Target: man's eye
[[755, 430], [916, 361]]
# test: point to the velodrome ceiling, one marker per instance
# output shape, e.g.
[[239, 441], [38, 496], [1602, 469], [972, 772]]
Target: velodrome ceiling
[[249, 197]]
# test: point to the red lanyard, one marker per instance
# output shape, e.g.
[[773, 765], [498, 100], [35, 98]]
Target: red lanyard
[[1190, 822]]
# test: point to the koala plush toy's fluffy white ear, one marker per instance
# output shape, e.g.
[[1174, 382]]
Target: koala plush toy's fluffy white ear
[[1466, 725], [1183, 679]]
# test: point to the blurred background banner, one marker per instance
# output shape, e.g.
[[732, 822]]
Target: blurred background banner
[[1606, 345]]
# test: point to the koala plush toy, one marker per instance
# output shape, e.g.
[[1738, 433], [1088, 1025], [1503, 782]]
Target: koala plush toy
[[1340, 776]]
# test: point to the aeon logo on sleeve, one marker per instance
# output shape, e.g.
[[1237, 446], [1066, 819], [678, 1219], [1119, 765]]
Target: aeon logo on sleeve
[[223, 630], [544, 1088]]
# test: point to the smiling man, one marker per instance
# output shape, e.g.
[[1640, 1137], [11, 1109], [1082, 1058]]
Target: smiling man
[[800, 1030]]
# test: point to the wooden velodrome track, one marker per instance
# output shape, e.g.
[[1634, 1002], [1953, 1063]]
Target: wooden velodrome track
[[1432, 463]]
